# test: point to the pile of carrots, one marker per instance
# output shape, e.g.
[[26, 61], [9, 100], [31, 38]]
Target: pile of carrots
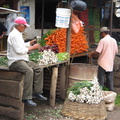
[[78, 41]]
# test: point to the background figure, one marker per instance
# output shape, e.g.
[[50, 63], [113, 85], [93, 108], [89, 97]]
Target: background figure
[[3, 30], [18, 60], [105, 52]]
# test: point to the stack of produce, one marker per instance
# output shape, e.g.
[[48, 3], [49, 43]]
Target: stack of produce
[[78, 41], [54, 42], [48, 56], [86, 92]]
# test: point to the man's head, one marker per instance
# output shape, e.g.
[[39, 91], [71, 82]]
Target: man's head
[[21, 24], [104, 31]]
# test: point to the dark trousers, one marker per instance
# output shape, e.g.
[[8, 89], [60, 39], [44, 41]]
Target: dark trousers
[[102, 74]]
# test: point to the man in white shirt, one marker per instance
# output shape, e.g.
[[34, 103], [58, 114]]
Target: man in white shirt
[[18, 59], [106, 51]]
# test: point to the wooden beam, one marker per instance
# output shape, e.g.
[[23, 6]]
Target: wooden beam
[[12, 113], [7, 101], [13, 89], [53, 86]]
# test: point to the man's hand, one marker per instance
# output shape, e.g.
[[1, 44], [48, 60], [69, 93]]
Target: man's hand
[[90, 54], [35, 46], [93, 54], [32, 42]]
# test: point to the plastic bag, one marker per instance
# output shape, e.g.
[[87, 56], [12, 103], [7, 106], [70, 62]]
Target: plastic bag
[[9, 23], [78, 5], [75, 24], [110, 106], [109, 96]]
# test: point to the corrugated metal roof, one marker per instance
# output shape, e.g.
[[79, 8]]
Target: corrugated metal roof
[[7, 11]]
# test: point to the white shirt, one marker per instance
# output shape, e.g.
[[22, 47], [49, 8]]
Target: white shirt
[[17, 49]]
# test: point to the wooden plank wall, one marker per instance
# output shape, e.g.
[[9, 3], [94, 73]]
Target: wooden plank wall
[[11, 91]]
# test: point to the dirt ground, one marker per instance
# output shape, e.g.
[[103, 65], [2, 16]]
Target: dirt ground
[[44, 111]]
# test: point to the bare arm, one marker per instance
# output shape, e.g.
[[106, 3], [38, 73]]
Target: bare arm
[[94, 54], [35, 46], [2, 34]]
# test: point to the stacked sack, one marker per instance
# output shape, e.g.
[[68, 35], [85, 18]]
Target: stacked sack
[[109, 97]]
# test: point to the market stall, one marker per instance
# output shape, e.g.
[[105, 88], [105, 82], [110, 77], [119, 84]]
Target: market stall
[[64, 46]]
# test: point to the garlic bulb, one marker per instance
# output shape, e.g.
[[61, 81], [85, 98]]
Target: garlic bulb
[[91, 96], [48, 57]]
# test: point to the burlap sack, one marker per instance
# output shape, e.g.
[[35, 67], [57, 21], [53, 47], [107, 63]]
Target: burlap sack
[[109, 96]]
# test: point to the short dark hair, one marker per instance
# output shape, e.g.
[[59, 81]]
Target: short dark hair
[[106, 32]]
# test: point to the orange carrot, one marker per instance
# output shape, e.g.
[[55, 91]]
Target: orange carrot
[[78, 41]]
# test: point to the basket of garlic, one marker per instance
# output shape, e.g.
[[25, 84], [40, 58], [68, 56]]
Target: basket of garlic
[[85, 101]]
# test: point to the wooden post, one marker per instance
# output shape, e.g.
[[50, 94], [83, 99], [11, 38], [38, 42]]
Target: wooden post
[[53, 86], [63, 80], [111, 17]]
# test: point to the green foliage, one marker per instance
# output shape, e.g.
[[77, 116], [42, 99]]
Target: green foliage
[[43, 41], [79, 85], [34, 56], [117, 101], [3, 61], [104, 88]]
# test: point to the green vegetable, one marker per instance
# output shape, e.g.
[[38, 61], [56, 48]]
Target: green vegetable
[[63, 56], [34, 56], [79, 85], [3, 61]]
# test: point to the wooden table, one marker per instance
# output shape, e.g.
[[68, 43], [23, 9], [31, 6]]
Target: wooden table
[[80, 55], [53, 79]]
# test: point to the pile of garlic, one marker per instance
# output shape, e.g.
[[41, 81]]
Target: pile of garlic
[[91, 96], [48, 57]]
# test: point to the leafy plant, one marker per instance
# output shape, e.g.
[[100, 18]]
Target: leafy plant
[[79, 85]]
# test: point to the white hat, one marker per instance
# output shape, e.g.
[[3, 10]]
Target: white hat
[[103, 29]]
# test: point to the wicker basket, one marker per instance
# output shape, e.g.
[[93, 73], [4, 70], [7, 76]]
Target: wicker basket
[[83, 111]]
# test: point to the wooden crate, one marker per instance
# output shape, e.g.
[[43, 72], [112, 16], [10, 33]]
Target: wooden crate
[[62, 82], [11, 91]]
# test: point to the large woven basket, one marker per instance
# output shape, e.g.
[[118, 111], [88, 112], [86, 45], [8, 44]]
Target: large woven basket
[[83, 111]]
